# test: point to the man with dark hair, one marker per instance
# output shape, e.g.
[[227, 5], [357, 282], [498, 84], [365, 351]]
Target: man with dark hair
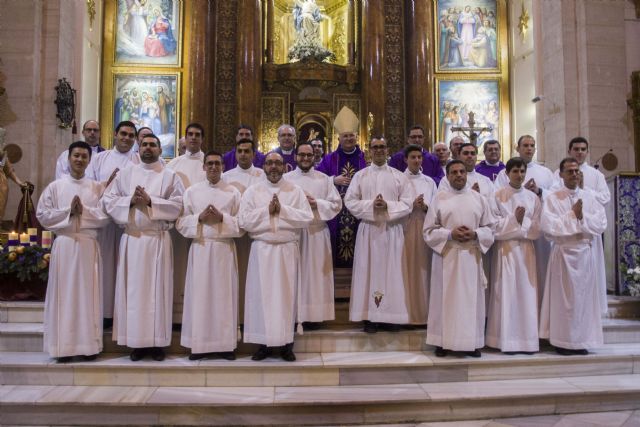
[[513, 305], [189, 168], [103, 168], [273, 211], [318, 151], [458, 228], [417, 255], [491, 165], [430, 164], [145, 199], [380, 197], [230, 160], [91, 135], [71, 207], [468, 155], [142, 132], [571, 218], [592, 181], [210, 315], [316, 300]]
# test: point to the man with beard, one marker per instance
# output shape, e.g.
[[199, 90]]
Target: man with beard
[[230, 159]]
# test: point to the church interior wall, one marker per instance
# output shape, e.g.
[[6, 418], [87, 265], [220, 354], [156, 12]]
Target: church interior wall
[[632, 55]]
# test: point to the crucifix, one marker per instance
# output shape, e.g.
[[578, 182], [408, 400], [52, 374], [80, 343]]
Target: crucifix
[[473, 136]]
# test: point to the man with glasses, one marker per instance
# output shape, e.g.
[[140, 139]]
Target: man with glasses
[[318, 152], [430, 164], [91, 135], [380, 197], [316, 302], [273, 211]]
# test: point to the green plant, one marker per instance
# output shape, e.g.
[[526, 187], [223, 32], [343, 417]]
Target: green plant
[[25, 263]]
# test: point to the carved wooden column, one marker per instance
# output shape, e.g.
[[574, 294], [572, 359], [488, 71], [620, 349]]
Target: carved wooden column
[[249, 59], [200, 94], [351, 33], [271, 44], [373, 66], [418, 69], [634, 103]]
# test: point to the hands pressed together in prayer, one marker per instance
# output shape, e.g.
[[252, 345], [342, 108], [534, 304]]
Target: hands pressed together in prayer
[[418, 203], [76, 206], [476, 187], [140, 197], [463, 234], [520, 214], [210, 215], [533, 187], [274, 205], [379, 204], [577, 209]]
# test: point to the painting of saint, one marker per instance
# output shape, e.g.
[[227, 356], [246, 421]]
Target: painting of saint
[[149, 100], [456, 98], [147, 32], [467, 35]]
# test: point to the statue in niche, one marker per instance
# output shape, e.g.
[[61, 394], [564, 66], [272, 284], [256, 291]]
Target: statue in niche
[[306, 20]]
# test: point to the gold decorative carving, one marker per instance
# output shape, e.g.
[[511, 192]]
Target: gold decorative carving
[[523, 22], [91, 12], [339, 41], [310, 73], [393, 122], [274, 113]]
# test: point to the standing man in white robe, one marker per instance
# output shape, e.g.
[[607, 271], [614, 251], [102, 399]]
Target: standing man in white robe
[[458, 228], [539, 180], [595, 183], [244, 175], [417, 254], [571, 217], [273, 211], [189, 168], [103, 168], [71, 207], [513, 306], [315, 296], [210, 315], [468, 155], [146, 199], [380, 197]]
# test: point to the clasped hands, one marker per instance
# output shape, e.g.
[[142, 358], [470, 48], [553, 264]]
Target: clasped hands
[[463, 234], [210, 215], [140, 197], [419, 203], [274, 205], [76, 206], [379, 204]]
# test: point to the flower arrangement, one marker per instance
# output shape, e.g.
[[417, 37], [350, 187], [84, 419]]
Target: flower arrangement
[[301, 52], [25, 262], [631, 278]]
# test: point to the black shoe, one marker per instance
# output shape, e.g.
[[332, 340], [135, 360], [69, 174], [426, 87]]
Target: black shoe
[[227, 355], [64, 359], [262, 353], [137, 354], [107, 323], [474, 353], [581, 352], [441, 352], [370, 327], [510, 353], [90, 357], [311, 326], [390, 327], [157, 354], [287, 353], [564, 351], [197, 356]]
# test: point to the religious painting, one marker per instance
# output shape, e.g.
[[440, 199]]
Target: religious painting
[[467, 35], [148, 32], [457, 99], [151, 101]]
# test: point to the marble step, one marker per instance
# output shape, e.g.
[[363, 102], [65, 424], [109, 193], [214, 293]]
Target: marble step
[[314, 369], [21, 312], [321, 405], [336, 338]]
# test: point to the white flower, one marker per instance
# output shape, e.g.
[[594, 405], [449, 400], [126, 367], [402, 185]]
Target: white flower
[[637, 270]]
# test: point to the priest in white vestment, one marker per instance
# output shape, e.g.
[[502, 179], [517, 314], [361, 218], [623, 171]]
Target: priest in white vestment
[[458, 228], [539, 180], [513, 305], [273, 211], [380, 197], [315, 296], [103, 168], [571, 217], [71, 207], [595, 183], [417, 254], [244, 175], [189, 168], [146, 199], [209, 217]]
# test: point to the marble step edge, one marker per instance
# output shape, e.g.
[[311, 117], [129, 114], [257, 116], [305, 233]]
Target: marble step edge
[[400, 403]]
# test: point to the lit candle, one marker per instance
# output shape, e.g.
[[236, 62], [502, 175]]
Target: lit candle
[[33, 236], [46, 239], [24, 239], [13, 241]]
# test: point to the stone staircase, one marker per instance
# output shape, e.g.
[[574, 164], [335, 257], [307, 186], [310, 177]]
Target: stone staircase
[[342, 376]]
